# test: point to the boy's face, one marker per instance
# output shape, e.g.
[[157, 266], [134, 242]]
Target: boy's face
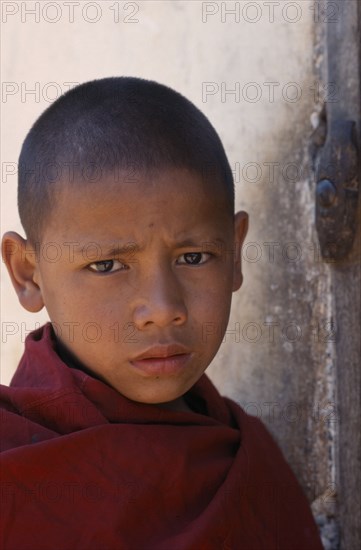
[[169, 288]]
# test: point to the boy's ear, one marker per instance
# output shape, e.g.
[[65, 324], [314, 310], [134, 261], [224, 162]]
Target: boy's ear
[[21, 262], [240, 232]]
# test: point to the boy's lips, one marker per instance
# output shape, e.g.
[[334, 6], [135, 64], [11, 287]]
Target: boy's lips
[[162, 359]]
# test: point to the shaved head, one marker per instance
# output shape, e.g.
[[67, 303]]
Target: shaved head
[[109, 127]]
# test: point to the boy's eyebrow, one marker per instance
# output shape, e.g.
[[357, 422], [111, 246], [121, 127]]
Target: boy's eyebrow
[[107, 249], [202, 242]]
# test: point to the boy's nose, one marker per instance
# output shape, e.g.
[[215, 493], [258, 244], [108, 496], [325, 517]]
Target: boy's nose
[[160, 301]]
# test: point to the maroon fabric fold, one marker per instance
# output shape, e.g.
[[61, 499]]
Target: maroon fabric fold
[[83, 467]]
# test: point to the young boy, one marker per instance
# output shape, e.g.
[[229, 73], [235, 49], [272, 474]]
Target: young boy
[[113, 437]]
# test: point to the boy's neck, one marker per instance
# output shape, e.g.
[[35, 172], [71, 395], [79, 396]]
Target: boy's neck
[[179, 404]]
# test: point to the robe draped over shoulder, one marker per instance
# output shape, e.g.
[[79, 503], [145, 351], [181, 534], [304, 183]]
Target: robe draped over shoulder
[[84, 468]]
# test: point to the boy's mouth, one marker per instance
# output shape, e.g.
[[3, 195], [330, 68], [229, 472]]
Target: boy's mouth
[[162, 359]]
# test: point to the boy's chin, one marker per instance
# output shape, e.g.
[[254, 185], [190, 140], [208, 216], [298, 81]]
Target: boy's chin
[[174, 401]]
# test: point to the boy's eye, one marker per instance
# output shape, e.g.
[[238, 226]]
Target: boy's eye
[[194, 258], [106, 266]]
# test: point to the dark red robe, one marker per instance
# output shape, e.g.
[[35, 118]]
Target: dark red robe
[[84, 468]]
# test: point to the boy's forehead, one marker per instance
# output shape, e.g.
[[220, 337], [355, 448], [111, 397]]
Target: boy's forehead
[[177, 182], [177, 197]]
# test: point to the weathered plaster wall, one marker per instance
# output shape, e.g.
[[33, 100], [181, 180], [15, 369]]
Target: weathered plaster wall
[[252, 73]]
